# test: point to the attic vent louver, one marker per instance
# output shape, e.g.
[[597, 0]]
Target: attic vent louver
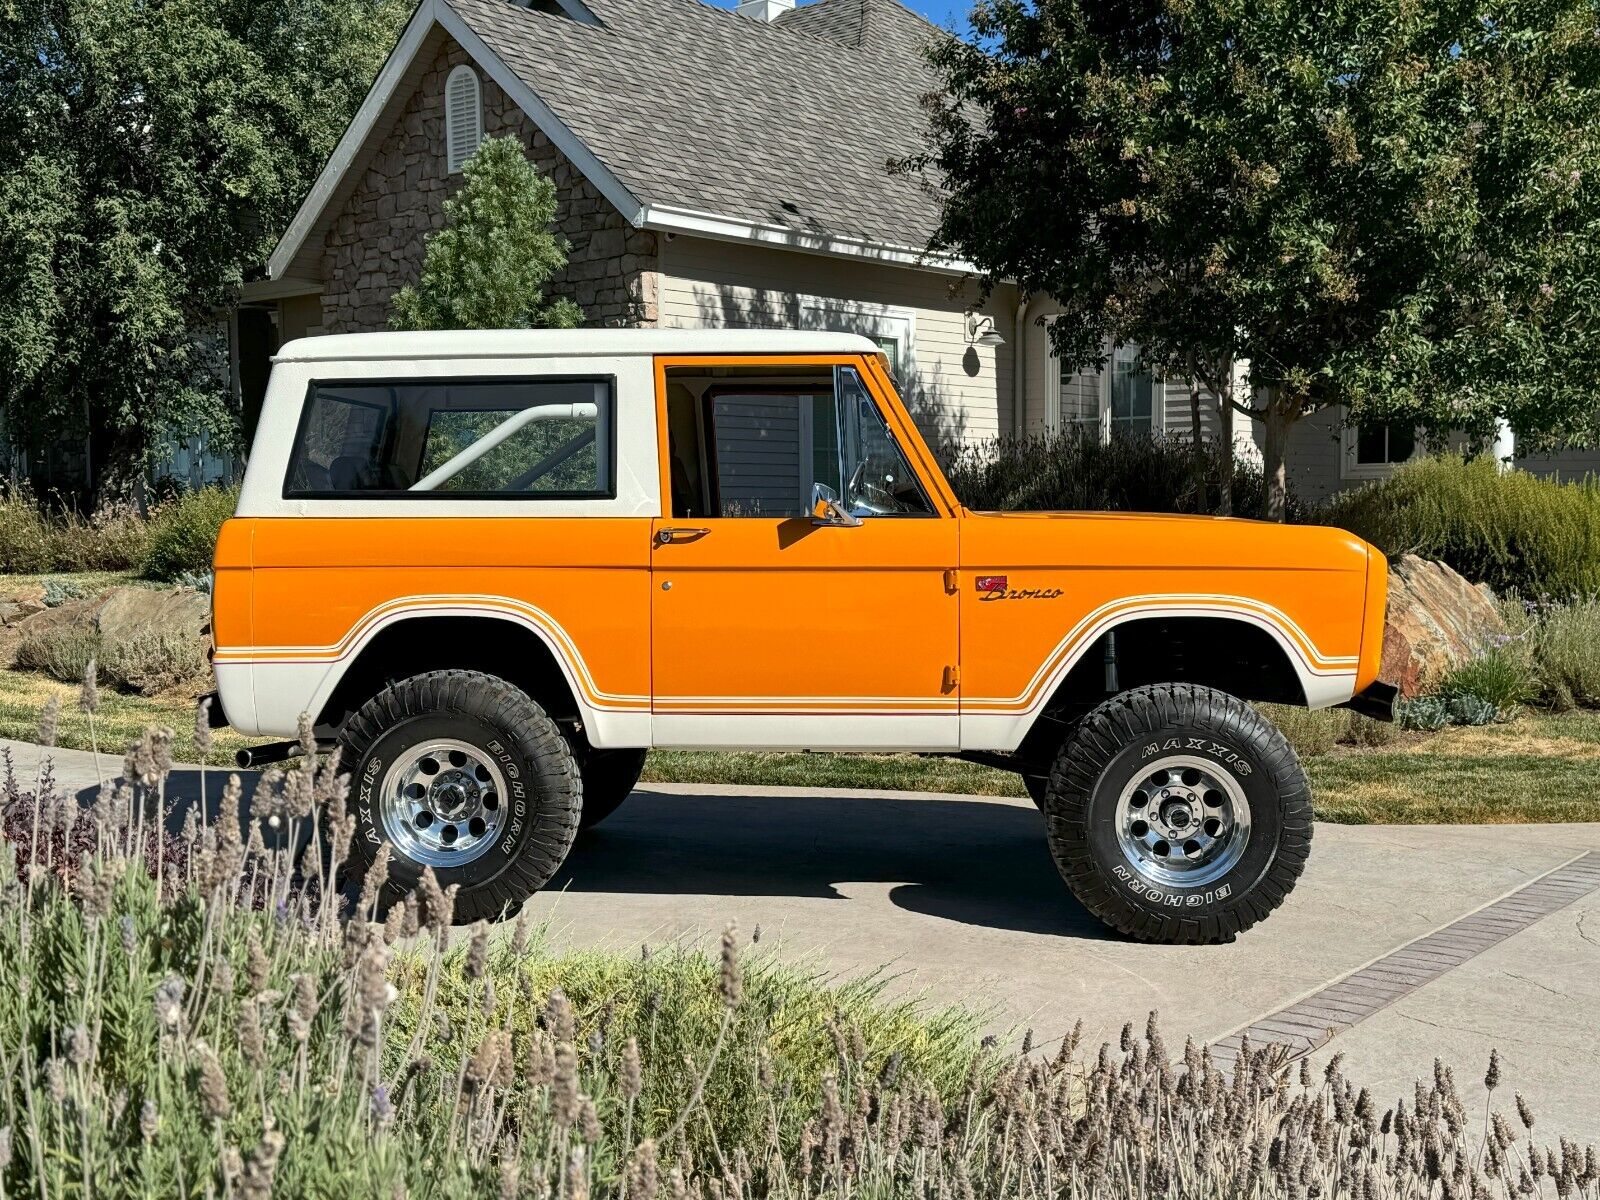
[[463, 117], [764, 10]]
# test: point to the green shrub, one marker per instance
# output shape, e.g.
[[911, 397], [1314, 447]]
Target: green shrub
[[1311, 731], [1074, 471], [183, 533], [61, 653], [1508, 529], [26, 545], [33, 541], [110, 541], [1314, 732], [1368, 733], [151, 663]]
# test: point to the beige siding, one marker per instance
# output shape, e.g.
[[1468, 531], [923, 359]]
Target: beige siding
[[1569, 466], [959, 393]]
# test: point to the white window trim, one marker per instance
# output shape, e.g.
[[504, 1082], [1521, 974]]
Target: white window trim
[[454, 163], [1349, 468], [1052, 375]]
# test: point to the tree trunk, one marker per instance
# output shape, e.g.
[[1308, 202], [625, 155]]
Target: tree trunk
[[1199, 448], [1225, 466], [1280, 417]]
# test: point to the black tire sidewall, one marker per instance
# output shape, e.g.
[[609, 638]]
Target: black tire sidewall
[[1230, 755]]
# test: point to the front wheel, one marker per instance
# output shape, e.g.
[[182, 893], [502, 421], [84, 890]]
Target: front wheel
[[1178, 814], [462, 772]]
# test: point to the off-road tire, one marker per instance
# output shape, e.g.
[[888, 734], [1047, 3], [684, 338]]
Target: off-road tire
[[483, 711], [609, 777], [1106, 753]]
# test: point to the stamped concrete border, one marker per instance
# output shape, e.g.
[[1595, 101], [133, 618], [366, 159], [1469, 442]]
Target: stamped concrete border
[[1310, 1022]]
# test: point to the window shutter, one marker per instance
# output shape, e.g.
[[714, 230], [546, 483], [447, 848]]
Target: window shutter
[[463, 117]]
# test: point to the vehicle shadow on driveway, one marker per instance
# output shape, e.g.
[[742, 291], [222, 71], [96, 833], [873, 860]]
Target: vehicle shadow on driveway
[[977, 862], [973, 861]]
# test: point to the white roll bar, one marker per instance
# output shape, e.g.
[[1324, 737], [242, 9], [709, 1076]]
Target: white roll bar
[[539, 412]]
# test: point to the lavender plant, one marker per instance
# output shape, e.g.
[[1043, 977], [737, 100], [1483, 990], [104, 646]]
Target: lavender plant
[[217, 1011]]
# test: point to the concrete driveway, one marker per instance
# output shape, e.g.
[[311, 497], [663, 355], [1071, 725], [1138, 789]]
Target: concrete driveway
[[1400, 943]]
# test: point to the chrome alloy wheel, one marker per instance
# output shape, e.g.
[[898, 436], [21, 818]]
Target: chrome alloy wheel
[[1183, 821], [443, 803]]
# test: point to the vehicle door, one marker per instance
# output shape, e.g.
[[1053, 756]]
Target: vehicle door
[[802, 579]]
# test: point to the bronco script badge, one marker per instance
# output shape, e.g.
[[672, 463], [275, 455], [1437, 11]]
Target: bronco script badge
[[994, 587]]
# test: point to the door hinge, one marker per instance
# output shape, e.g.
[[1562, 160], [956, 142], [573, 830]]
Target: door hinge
[[952, 580], [952, 677]]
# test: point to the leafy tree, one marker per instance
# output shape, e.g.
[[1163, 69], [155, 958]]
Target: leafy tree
[[488, 267], [153, 150], [1380, 204]]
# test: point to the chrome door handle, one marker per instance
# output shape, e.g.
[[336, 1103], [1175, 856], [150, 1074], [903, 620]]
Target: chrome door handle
[[681, 534]]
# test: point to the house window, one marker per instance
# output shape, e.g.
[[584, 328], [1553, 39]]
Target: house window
[[1372, 450], [889, 346], [1122, 398], [463, 117]]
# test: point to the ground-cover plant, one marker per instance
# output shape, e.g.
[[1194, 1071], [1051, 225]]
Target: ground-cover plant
[[1511, 530], [183, 532], [1074, 470], [207, 1012], [148, 663]]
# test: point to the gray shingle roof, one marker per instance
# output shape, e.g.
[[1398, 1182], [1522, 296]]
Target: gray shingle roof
[[789, 123]]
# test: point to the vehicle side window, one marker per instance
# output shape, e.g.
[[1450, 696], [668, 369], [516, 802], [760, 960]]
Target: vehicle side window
[[753, 442], [460, 439]]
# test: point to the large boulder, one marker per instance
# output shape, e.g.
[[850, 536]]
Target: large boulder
[[1436, 621], [126, 613]]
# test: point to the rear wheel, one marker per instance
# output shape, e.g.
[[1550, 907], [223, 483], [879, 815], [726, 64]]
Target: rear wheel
[[462, 772], [1178, 814], [609, 777]]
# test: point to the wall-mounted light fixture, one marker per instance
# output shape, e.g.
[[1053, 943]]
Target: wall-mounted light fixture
[[981, 331]]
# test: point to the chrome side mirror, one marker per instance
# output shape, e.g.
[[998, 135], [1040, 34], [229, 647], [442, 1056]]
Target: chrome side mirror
[[826, 509]]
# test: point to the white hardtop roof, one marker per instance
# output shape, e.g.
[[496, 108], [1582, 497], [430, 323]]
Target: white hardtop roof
[[568, 343]]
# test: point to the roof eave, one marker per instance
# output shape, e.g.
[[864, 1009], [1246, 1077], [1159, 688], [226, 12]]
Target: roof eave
[[667, 218]]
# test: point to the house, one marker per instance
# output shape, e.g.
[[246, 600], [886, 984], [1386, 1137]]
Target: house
[[713, 167]]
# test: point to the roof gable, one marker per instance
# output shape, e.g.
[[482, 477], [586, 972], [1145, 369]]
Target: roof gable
[[688, 116]]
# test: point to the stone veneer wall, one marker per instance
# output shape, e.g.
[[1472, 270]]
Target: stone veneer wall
[[375, 245]]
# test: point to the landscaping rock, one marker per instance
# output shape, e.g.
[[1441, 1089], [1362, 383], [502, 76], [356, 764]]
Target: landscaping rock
[[66, 615], [1436, 621], [126, 613]]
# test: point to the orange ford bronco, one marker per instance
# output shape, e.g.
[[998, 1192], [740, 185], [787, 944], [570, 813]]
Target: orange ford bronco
[[497, 567]]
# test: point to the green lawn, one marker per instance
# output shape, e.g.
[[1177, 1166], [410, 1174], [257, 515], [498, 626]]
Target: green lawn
[[1538, 768]]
